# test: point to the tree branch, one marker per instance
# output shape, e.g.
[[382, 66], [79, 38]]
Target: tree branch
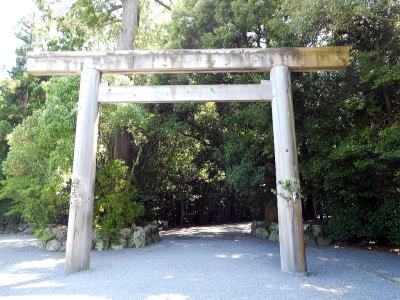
[[114, 8], [163, 4], [204, 143], [108, 23], [80, 24]]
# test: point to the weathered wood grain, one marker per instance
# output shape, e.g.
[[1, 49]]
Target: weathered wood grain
[[189, 61], [291, 241], [79, 237], [186, 93]]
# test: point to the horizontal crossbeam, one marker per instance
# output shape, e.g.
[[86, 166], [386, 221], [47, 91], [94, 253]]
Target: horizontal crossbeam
[[189, 61], [186, 93]]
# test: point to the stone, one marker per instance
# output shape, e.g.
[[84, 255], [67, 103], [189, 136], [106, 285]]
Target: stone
[[318, 230], [132, 238], [307, 228], [262, 233], [126, 233], [310, 241], [47, 235], [123, 242], [131, 243], [163, 225], [151, 234], [95, 235], [138, 237], [41, 245], [274, 236], [28, 230], [22, 227], [13, 229], [259, 224], [119, 245], [3, 228], [324, 241], [60, 232], [273, 227], [116, 247], [253, 227], [53, 245], [101, 245], [63, 247], [147, 235]]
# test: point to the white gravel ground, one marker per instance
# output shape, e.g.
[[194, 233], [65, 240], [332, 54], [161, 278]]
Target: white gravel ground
[[214, 262]]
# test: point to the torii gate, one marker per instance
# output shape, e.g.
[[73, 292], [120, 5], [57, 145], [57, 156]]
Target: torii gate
[[279, 61]]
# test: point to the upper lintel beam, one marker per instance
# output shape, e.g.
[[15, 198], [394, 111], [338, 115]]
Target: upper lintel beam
[[189, 61]]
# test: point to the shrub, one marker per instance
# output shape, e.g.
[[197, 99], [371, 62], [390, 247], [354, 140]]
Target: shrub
[[114, 205]]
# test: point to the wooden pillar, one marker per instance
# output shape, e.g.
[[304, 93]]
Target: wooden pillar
[[291, 240], [79, 238]]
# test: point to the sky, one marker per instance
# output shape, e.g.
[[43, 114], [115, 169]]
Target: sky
[[10, 13]]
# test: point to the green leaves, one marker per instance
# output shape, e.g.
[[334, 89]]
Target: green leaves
[[115, 207], [38, 165]]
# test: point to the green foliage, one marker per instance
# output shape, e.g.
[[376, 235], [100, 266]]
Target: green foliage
[[290, 191], [360, 178], [5, 219], [44, 235], [114, 205], [38, 165]]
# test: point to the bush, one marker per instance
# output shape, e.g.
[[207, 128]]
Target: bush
[[5, 218], [361, 184], [39, 162], [114, 205]]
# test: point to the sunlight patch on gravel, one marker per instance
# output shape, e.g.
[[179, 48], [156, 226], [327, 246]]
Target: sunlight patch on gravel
[[57, 297], [167, 297]]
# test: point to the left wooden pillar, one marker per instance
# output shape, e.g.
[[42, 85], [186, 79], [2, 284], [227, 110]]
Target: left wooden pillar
[[79, 238]]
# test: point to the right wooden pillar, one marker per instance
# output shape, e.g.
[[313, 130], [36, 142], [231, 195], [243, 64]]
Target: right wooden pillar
[[291, 239]]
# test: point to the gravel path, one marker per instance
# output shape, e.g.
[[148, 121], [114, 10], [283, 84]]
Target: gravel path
[[214, 262]]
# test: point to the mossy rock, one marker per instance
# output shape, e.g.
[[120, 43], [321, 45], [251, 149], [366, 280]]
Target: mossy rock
[[274, 236], [45, 235], [324, 241], [101, 245], [310, 241]]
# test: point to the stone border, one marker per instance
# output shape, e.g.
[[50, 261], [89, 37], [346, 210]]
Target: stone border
[[55, 238], [314, 234], [21, 228]]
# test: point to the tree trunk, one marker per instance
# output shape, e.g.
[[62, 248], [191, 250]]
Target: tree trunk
[[182, 214], [122, 147], [271, 213], [389, 105], [122, 141], [129, 24]]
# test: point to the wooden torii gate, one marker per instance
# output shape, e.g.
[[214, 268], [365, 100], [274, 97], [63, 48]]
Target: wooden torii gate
[[279, 61]]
